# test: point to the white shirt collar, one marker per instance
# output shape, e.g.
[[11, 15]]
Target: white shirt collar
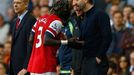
[[131, 68], [22, 15]]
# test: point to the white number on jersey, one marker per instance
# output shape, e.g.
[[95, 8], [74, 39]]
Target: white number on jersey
[[39, 37]]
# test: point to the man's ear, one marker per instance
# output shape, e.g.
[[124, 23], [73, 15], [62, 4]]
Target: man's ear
[[26, 5]]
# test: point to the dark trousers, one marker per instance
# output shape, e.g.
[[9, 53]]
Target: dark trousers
[[91, 67], [77, 73], [12, 72], [77, 61]]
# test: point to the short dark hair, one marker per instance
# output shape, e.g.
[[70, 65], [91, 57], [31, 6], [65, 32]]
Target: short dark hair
[[36, 6], [91, 1], [1, 16], [118, 12], [61, 9], [26, 1], [46, 6], [129, 6], [1, 46]]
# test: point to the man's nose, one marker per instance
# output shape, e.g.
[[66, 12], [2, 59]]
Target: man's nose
[[15, 5]]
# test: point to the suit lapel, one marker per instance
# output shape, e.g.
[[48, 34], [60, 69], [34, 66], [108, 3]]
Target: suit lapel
[[21, 25]]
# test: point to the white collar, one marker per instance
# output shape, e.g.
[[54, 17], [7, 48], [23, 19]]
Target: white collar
[[22, 15]]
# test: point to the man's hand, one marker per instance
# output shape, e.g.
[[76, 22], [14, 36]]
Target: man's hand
[[72, 72], [58, 70], [75, 43], [62, 36], [98, 60], [22, 72]]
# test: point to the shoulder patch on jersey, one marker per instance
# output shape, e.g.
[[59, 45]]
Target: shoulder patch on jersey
[[56, 25]]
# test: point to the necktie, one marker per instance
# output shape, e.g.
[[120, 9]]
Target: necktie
[[17, 23]]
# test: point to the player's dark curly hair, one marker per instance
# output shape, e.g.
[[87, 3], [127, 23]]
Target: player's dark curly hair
[[62, 9]]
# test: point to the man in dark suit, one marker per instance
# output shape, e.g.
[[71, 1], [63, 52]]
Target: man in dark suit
[[96, 32], [20, 51]]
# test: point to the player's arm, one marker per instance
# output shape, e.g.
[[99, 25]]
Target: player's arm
[[55, 29], [48, 40]]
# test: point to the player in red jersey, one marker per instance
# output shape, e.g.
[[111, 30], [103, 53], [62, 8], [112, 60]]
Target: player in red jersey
[[46, 33]]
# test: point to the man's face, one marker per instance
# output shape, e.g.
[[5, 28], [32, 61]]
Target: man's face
[[44, 10], [7, 47], [118, 19], [132, 59], [127, 11], [19, 6], [131, 17], [123, 62], [113, 9], [1, 21], [78, 5]]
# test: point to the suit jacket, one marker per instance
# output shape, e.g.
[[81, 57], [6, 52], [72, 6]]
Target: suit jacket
[[96, 32], [21, 51]]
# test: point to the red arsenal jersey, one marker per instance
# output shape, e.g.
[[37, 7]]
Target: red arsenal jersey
[[43, 58]]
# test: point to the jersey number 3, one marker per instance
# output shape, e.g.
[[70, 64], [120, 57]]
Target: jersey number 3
[[38, 44]]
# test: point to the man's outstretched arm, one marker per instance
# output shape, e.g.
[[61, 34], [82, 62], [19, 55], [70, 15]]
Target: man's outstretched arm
[[54, 30]]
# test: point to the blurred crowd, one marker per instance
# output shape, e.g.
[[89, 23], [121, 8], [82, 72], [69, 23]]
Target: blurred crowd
[[121, 13]]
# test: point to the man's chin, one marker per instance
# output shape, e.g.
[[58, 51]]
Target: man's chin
[[76, 8], [78, 12], [16, 12]]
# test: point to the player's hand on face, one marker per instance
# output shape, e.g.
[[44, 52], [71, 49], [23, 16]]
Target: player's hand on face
[[22, 72]]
